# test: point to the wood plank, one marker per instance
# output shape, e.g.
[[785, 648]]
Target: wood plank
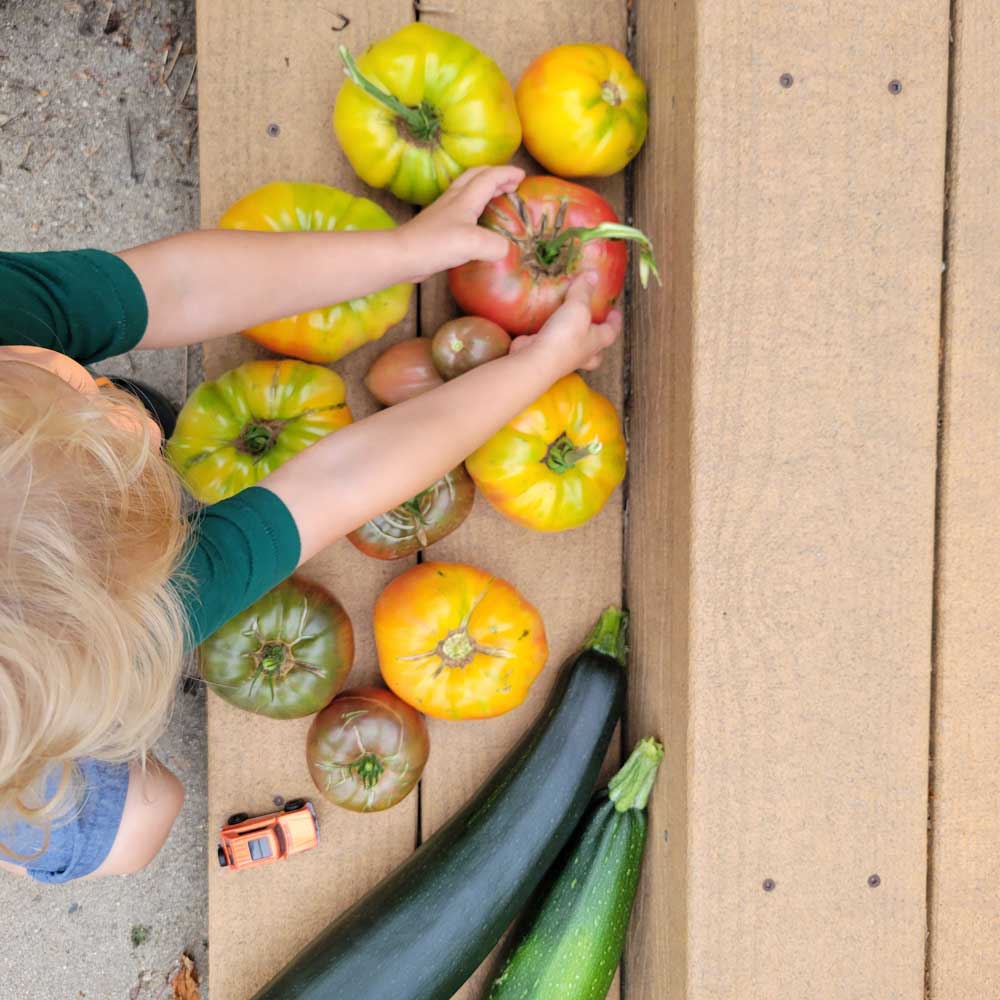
[[571, 576], [798, 635], [278, 65], [964, 961], [658, 351]]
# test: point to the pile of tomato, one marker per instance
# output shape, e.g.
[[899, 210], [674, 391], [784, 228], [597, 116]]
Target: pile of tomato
[[417, 109]]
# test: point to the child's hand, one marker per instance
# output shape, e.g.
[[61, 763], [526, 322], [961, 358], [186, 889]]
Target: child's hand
[[569, 340], [447, 233]]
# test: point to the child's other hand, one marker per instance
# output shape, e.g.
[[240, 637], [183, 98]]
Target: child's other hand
[[447, 233], [569, 340]]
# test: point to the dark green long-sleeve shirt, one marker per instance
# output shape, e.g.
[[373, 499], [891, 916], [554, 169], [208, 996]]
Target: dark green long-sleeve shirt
[[89, 305]]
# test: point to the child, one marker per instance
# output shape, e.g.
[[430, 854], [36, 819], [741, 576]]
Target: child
[[103, 582]]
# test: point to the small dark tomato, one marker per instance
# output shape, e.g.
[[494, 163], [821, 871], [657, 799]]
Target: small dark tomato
[[419, 522], [467, 342], [367, 749], [285, 656], [403, 371]]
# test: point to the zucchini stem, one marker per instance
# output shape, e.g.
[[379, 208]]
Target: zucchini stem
[[610, 635], [630, 787]]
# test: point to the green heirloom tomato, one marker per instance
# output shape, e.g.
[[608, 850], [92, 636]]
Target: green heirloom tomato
[[238, 429], [419, 522], [285, 656]]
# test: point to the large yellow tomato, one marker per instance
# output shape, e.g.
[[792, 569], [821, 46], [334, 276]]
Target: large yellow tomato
[[326, 334], [457, 643], [237, 429], [583, 110], [420, 107], [554, 465]]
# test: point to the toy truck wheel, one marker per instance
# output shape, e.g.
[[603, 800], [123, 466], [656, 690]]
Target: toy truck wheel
[[294, 804], [223, 860], [237, 818]]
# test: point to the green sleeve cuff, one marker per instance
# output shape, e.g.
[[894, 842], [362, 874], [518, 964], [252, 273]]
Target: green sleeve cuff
[[132, 309], [243, 547]]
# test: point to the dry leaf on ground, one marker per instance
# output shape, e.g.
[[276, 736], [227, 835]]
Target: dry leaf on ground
[[185, 983]]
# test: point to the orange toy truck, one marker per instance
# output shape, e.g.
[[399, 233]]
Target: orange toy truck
[[249, 842]]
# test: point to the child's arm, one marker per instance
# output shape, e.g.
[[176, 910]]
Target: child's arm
[[207, 284], [370, 467]]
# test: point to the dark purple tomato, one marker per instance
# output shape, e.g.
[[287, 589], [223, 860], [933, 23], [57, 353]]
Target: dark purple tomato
[[422, 521], [467, 342], [367, 749]]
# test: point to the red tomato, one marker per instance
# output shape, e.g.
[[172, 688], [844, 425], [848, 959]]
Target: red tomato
[[557, 230]]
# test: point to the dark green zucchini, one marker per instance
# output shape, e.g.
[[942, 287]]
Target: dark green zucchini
[[573, 943], [424, 930]]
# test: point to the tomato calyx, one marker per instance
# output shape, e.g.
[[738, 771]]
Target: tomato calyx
[[419, 125], [563, 454], [259, 436], [274, 659], [552, 248], [458, 648], [611, 93]]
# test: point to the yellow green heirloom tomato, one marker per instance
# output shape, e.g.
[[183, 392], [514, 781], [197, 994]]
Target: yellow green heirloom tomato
[[555, 464], [236, 430], [286, 656], [329, 333], [419, 108]]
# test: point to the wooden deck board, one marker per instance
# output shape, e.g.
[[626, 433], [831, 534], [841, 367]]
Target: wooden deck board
[[278, 64], [794, 640], [964, 952], [571, 576]]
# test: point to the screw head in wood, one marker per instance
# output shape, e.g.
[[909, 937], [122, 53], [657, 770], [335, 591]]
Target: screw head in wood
[[786, 80], [768, 885], [874, 881], [895, 86], [274, 130]]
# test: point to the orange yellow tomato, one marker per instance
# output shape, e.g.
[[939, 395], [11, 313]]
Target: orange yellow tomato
[[456, 642], [554, 465], [326, 334], [583, 110]]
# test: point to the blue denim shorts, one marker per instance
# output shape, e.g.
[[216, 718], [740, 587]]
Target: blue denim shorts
[[79, 843]]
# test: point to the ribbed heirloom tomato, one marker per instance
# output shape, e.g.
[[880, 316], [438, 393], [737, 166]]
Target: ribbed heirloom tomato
[[557, 230], [419, 522], [329, 333], [457, 643], [286, 656], [583, 110], [419, 108], [554, 465], [237, 429]]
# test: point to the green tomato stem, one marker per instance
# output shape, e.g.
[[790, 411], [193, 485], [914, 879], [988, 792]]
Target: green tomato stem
[[422, 123], [630, 787], [549, 249], [562, 454], [610, 635], [369, 769], [273, 657]]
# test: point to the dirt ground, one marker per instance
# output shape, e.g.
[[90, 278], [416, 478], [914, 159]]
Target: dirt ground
[[98, 147]]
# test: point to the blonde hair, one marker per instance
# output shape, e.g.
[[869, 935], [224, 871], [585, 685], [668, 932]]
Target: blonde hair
[[92, 630]]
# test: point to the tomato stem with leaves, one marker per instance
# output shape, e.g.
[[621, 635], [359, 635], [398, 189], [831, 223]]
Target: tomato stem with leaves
[[422, 122], [548, 250], [562, 454]]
